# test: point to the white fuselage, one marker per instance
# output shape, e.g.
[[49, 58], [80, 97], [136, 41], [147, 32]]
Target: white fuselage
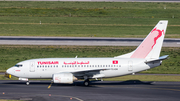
[[112, 67]]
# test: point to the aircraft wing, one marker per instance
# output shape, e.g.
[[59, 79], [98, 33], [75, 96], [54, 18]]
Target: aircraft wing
[[95, 73], [87, 71]]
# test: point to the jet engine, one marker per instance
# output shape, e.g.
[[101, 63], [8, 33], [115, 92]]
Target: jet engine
[[64, 78]]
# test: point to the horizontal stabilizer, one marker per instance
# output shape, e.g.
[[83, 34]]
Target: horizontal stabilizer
[[160, 58]]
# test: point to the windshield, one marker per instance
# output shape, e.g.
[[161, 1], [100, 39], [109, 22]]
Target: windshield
[[18, 65]]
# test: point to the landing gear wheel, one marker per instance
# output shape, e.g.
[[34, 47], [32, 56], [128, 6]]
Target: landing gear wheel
[[86, 82], [27, 83]]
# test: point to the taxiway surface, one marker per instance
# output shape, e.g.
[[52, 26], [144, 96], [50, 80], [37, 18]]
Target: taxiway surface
[[132, 90], [85, 41]]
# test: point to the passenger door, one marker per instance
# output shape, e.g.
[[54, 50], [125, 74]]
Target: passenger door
[[130, 65], [32, 66]]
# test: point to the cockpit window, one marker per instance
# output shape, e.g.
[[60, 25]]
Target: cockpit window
[[18, 65]]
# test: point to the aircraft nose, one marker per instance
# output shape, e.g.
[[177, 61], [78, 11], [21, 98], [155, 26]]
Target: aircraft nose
[[10, 71]]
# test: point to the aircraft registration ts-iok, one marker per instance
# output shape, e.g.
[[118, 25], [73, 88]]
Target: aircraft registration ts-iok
[[68, 70]]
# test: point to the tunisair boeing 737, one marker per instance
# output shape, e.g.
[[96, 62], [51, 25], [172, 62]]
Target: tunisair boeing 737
[[67, 70]]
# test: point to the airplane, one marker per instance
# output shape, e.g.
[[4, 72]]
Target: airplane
[[68, 70]]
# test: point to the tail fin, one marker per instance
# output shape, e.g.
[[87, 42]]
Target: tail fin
[[151, 46]]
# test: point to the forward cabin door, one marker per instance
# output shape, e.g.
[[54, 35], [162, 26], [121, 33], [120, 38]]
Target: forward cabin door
[[32, 66], [130, 66]]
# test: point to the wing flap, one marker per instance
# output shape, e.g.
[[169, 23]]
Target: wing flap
[[95, 73], [86, 71]]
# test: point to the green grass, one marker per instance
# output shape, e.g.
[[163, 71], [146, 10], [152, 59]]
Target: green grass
[[88, 19], [145, 78], [5, 78], [10, 55], [124, 78], [94, 9]]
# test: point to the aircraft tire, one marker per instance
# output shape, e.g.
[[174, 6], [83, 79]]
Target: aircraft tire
[[86, 82], [27, 83]]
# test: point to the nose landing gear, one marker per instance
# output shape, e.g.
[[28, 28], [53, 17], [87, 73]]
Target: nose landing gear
[[27, 83]]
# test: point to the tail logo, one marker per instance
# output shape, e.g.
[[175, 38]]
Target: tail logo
[[148, 44]]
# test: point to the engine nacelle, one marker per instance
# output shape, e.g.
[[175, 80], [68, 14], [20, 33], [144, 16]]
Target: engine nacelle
[[23, 79], [64, 78]]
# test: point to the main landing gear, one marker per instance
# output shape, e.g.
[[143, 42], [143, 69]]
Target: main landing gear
[[86, 82]]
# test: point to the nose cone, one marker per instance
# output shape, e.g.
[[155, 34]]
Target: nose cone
[[10, 71]]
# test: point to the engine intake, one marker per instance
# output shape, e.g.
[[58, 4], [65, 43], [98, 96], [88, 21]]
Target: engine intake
[[64, 78]]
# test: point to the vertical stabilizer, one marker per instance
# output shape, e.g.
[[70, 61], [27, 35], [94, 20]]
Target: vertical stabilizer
[[151, 46]]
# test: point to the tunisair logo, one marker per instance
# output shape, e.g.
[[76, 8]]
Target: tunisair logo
[[148, 44], [76, 62], [47, 62]]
